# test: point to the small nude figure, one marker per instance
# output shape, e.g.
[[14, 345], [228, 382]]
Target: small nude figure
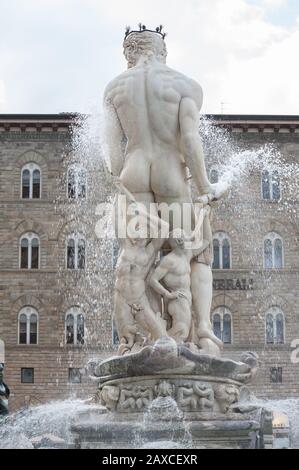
[[131, 305], [172, 279]]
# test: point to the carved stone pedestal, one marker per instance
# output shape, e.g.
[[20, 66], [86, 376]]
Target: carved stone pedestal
[[168, 395], [107, 430]]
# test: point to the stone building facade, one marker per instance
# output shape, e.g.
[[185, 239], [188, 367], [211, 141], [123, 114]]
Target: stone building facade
[[55, 274], [261, 210]]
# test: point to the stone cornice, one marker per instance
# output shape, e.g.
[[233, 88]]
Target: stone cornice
[[37, 123], [63, 122], [266, 124]]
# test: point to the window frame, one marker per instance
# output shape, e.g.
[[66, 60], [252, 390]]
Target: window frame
[[28, 311], [222, 311], [115, 344], [33, 375], [76, 169], [278, 370], [271, 199], [29, 236], [31, 167], [221, 236], [214, 169], [115, 253], [76, 237], [78, 369], [75, 312], [273, 236], [275, 311]]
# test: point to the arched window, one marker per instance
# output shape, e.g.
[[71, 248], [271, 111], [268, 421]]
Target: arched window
[[115, 337], [115, 253], [76, 183], [31, 181], [273, 251], [275, 326], [214, 176], [76, 252], [222, 251], [227, 329], [271, 190], [222, 324], [29, 251], [269, 329], [28, 326], [217, 325], [74, 327]]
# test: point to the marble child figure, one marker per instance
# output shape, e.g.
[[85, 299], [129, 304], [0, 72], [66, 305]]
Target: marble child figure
[[132, 309], [172, 280]]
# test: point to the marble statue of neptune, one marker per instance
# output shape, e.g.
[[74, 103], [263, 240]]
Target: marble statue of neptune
[[152, 118]]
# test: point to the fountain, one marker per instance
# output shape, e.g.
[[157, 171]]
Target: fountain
[[169, 386], [169, 360]]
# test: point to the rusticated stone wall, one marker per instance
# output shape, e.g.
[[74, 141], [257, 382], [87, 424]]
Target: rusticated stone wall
[[247, 290]]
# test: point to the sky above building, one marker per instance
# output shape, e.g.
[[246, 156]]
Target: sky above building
[[58, 55]]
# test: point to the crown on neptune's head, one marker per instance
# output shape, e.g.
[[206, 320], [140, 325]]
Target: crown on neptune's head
[[143, 29]]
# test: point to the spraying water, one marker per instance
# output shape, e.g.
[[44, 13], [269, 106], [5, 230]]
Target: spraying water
[[169, 428], [20, 429], [235, 166]]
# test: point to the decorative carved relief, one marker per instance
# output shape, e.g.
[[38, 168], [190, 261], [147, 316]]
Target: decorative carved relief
[[196, 396], [190, 395], [134, 397], [109, 396], [226, 395], [164, 389]]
